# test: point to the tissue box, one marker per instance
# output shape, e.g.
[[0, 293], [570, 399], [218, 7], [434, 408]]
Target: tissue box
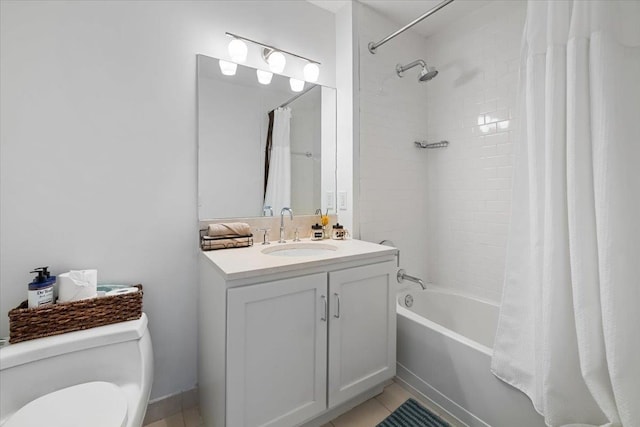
[[30, 323]]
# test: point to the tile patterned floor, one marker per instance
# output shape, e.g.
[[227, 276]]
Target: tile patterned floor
[[367, 414], [186, 418]]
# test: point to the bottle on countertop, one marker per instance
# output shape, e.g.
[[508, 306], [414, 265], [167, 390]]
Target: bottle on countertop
[[317, 232], [41, 288], [339, 232]]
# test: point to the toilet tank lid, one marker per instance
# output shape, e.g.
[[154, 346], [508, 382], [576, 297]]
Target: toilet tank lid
[[43, 348]]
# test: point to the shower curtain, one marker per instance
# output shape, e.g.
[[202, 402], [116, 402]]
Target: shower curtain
[[278, 192], [569, 327]]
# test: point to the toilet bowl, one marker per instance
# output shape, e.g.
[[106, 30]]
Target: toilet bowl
[[96, 377]]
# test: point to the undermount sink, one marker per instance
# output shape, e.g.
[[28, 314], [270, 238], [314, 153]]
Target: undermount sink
[[299, 249]]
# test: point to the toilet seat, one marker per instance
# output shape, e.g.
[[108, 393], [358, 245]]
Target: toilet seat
[[95, 404]]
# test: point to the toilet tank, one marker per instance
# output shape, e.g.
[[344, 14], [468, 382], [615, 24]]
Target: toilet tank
[[120, 353]]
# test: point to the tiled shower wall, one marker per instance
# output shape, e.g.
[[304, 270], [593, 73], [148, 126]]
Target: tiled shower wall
[[393, 172], [447, 210], [471, 103]]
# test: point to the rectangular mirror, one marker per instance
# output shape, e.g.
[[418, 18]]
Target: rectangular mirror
[[238, 117]]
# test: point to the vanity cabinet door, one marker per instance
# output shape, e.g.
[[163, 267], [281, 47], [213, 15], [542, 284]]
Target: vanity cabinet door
[[362, 329], [277, 352]]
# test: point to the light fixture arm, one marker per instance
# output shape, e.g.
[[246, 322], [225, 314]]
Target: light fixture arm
[[268, 49]]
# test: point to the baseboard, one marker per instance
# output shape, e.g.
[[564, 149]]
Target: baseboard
[[345, 407], [164, 407]]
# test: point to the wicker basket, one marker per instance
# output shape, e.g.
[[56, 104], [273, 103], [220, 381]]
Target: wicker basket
[[31, 323]]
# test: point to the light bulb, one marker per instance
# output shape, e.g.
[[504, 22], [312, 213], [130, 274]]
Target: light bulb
[[296, 85], [238, 50], [264, 77], [311, 72], [276, 61], [228, 68]]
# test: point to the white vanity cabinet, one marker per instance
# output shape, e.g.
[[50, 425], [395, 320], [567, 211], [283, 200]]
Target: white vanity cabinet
[[283, 348], [362, 331], [277, 352]]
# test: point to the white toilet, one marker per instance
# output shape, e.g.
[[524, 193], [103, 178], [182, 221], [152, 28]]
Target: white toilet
[[99, 377]]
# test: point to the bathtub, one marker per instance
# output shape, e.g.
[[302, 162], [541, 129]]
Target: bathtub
[[445, 345]]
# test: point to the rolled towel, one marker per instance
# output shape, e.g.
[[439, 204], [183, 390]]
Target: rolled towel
[[229, 229], [211, 244]]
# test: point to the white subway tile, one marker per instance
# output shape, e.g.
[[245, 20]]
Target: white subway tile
[[506, 148], [460, 197]]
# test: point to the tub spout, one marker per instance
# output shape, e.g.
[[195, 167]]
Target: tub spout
[[402, 275]]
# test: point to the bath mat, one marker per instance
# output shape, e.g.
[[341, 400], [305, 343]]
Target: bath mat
[[412, 414]]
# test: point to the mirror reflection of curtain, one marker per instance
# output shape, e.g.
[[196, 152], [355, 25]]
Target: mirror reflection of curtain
[[278, 191], [267, 153]]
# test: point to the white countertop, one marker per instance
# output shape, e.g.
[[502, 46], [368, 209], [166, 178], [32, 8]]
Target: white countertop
[[241, 263]]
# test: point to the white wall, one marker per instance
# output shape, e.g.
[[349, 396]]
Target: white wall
[[471, 103], [98, 144], [347, 121], [393, 172]]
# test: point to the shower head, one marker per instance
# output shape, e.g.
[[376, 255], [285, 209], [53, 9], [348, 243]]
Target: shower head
[[426, 73]]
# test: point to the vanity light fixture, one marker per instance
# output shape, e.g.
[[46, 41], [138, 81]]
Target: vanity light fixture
[[275, 59], [296, 85], [238, 50], [264, 77], [311, 72], [274, 56], [228, 68]]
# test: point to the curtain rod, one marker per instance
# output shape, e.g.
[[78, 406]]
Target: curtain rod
[[373, 46], [295, 97]]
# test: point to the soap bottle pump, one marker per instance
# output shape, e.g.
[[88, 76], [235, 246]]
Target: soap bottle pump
[[41, 288]]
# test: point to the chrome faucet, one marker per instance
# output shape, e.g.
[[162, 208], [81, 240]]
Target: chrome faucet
[[282, 211], [402, 275], [266, 209]]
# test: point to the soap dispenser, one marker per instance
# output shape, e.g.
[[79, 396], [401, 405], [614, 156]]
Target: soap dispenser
[[41, 288]]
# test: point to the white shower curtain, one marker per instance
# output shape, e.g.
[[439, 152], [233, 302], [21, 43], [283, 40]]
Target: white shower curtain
[[278, 193], [569, 327]]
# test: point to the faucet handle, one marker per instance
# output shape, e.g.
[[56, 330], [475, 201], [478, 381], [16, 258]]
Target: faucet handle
[[296, 235], [265, 238]]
